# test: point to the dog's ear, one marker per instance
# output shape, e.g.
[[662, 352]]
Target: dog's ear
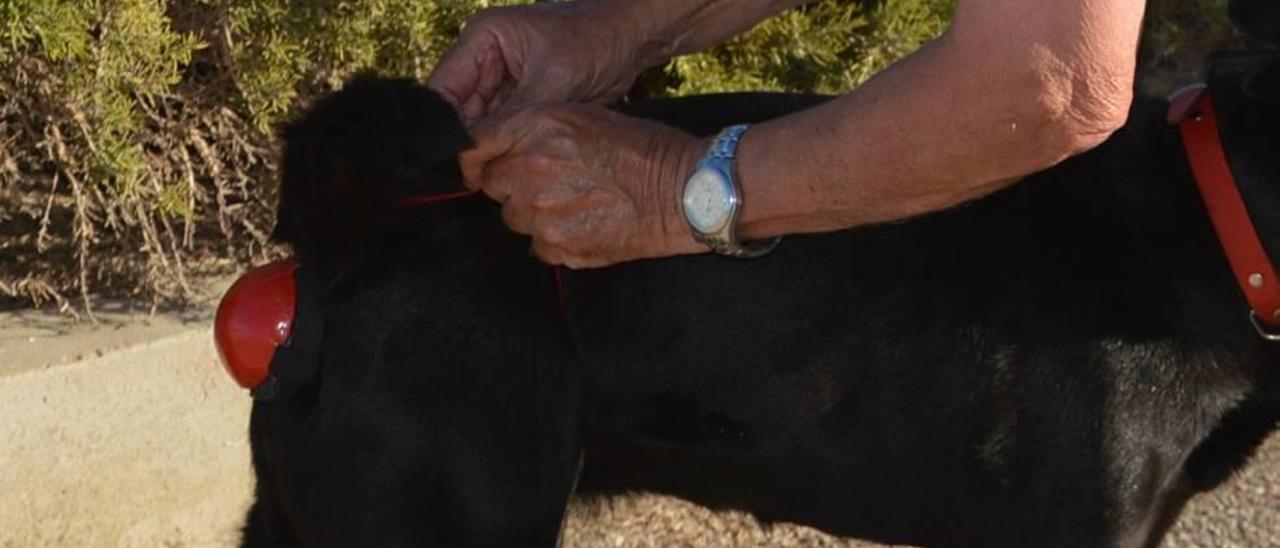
[[449, 135], [402, 136], [300, 194], [351, 155], [1257, 19]]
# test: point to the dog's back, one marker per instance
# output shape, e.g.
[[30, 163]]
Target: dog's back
[[1007, 373]]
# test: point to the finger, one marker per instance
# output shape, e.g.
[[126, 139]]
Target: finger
[[517, 217], [473, 109], [549, 253], [493, 79], [500, 98], [573, 262], [494, 137], [474, 66], [499, 177], [559, 256], [455, 76]]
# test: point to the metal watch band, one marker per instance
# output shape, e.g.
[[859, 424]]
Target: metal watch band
[[724, 148], [744, 250]]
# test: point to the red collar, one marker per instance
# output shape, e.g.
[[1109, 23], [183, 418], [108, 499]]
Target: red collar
[[1192, 109]]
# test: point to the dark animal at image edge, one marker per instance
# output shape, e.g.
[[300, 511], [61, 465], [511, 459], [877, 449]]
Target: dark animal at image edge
[[1063, 363]]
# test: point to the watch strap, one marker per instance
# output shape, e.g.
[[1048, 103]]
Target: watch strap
[[725, 145], [741, 250], [724, 149]]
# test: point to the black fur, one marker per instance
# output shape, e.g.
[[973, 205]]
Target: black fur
[[1258, 19], [1060, 364]]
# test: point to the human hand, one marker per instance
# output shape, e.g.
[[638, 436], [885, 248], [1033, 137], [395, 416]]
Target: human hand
[[590, 186], [511, 57]]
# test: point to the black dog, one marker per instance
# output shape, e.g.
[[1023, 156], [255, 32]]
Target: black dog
[[1258, 19], [1060, 364]]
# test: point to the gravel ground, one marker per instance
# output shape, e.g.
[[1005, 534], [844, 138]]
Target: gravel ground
[[129, 434], [1245, 513]]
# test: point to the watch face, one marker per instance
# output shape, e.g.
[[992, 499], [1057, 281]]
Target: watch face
[[707, 201]]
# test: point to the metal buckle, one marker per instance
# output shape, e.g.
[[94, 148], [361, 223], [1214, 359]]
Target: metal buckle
[[1263, 331], [746, 250]]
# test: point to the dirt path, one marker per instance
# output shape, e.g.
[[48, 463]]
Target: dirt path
[[140, 447], [129, 434]]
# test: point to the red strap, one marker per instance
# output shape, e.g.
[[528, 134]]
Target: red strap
[[1249, 261], [414, 201]]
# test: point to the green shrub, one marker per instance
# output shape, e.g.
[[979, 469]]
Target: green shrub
[[827, 47], [138, 133], [280, 44]]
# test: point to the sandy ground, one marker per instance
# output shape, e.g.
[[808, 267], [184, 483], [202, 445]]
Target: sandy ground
[[128, 433]]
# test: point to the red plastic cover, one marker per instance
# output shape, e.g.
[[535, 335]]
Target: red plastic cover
[[254, 318]]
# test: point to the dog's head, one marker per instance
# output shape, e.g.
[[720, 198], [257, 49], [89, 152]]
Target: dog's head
[[1258, 19], [352, 154]]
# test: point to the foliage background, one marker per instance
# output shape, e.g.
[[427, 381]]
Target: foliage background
[[136, 144]]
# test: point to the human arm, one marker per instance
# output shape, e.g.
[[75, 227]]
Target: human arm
[[985, 104], [968, 114], [589, 51]]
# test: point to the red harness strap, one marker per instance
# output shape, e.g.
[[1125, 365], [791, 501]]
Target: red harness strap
[[414, 201], [1194, 113]]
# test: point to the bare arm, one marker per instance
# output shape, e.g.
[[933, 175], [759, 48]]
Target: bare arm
[[508, 58], [1014, 86]]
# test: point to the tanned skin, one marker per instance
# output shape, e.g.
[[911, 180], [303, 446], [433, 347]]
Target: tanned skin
[[972, 112]]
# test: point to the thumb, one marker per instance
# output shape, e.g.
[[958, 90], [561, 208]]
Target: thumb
[[470, 74], [494, 137]]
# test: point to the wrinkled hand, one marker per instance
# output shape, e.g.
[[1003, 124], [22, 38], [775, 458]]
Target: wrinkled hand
[[590, 186], [511, 57]]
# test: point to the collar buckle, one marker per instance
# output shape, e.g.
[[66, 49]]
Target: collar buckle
[[1266, 331]]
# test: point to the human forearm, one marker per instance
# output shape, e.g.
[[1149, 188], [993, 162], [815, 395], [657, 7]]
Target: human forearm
[[961, 118], [590, 51], [1013, 87]]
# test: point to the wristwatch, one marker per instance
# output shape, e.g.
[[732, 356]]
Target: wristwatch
[[712, 200]]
